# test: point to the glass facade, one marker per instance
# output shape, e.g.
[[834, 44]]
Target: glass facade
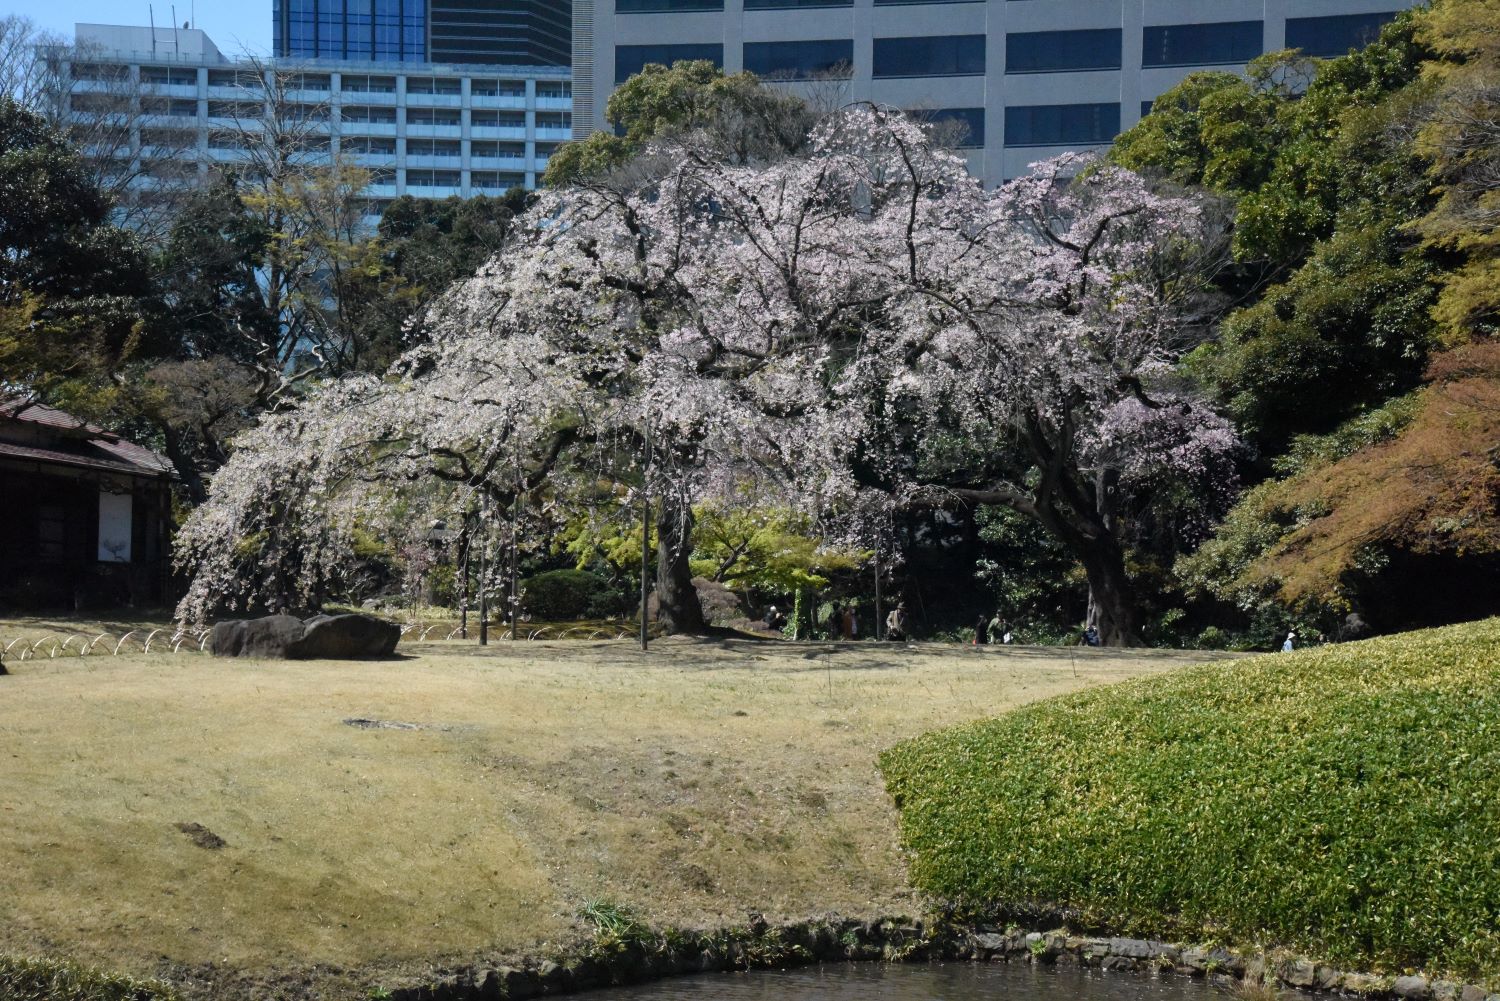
[[962, 128], [799, 60], [383, 30], [938, 55], [631, 59], [657, 6], [1335, 35], [506, 32], [794, 4], [1061, 124], [1220, 43], [1060, 51]]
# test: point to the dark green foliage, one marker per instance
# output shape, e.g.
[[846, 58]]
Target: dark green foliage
[[1036, 585], [79, 279], [25, 978], [1341, 801], [557, 595]]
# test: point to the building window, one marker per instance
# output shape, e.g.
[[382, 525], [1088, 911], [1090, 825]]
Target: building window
[[631, 59], [432, 147], [793, 4], [554, 120], [800, 60], [498, 119], [496, 150], [1061, 124], [1334, 36], [367, 146], [169, 77], [494, 180], [362, 114], [896, 3], [433, 116], [961, 128], [1217, 44], [433, 85], [498, 88], [1059, 51], [1146, 108], [940, 55], [432, 179], [660, 6], [554, 89]]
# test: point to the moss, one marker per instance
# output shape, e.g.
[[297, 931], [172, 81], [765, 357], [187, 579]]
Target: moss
[[1341, 800]]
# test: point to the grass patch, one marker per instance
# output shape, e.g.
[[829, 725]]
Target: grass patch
[[26, 978], [225, 818], [1343, 801]]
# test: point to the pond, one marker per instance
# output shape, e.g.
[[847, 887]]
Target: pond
[[918, 982]]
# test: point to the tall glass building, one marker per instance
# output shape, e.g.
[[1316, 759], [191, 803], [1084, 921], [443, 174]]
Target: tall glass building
[[484, 32], [392, 31]]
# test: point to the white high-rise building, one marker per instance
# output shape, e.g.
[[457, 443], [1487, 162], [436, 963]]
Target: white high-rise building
[[1029, 78], [427, 130]]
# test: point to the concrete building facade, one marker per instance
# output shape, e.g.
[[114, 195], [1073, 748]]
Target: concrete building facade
[[425, 129], [1028, 78]]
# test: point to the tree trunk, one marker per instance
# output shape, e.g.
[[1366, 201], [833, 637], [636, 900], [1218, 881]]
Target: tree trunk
[[678, 608], [1111, 598]]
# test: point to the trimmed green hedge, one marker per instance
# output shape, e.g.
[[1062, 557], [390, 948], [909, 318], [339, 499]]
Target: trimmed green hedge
[[1343, 801], [26, 978]]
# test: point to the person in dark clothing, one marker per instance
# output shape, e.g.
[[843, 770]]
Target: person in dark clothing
[[774, 619], [980, 631]]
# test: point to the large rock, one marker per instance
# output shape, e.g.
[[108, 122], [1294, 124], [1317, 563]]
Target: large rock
[[266, 637], [341, 637], [284, 637]]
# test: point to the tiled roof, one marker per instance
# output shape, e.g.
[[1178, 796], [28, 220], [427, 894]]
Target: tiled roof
[[99, 449]]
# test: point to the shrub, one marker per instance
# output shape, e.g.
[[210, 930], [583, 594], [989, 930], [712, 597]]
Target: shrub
[[1341, 801], [568, 594]]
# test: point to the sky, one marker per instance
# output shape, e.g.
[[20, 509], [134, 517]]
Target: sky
[[236, 26]]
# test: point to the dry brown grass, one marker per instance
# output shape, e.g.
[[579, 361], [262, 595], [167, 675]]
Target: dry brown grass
[[694, 783]]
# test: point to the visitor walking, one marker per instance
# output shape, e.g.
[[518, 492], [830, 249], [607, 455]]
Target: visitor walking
[[835, 622], [997, 629], [851, 624], [1288, 644], [980, 631]]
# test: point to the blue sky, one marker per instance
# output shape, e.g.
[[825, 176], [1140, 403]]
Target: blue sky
[[235, 26]]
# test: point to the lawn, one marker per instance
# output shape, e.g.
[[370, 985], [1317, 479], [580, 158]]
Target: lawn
[[1341, 801], [488, 795]]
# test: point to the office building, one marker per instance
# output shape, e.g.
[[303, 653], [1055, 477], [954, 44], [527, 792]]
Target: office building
[[424, 129], [1027, 79], [471, 32]]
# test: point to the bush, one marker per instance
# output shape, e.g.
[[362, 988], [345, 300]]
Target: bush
[[25, 978], [568, 594], [1341, 801]]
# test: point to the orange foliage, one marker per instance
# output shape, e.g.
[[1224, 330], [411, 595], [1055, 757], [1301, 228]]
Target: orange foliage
[[1433, 489]]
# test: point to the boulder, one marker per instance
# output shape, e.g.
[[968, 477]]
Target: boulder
[[343, 637], [265, 637], [283, 637], [1412, 988]]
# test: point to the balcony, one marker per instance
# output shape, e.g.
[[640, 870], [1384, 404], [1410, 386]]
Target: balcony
[[170, 90], [367, 129], [381, 97], [498, 132], [434, 131], [554, 104], [506, 102], [428, 160], [434, 100], [435, 191], [557, 133], [513, 162]]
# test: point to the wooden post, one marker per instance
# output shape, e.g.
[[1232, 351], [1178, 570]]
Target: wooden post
[[484, 605], [645, 534], [879, 618]]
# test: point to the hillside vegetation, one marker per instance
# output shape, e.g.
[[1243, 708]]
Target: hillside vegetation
[[1343, 801]]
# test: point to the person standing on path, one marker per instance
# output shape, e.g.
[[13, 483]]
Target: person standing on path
[[981, 635]]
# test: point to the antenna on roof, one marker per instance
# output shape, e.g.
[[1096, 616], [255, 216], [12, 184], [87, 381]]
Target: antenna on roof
[[151, 14], [176, 39]]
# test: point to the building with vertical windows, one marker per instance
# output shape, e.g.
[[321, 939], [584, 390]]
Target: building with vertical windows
[[424, 129], [1022, 79], [471, 32]]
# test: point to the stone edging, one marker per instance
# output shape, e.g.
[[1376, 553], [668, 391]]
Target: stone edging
[[759, 945]]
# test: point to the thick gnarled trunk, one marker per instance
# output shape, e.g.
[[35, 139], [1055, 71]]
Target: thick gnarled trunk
[[678, 608]]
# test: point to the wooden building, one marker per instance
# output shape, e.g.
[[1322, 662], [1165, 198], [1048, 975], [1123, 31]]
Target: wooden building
[[85, 516]]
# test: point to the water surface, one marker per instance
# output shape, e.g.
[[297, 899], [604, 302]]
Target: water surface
[[919, 982]]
